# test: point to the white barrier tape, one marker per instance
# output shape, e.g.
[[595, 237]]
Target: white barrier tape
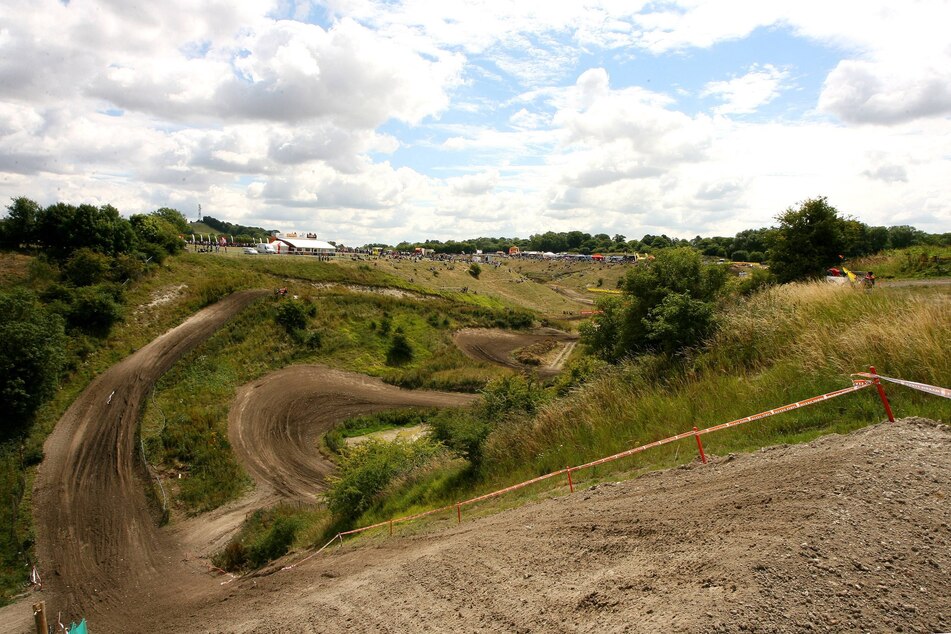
[[915, 385]]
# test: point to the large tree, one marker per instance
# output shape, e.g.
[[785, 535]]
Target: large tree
[[62, 229], [667, 306], [19, 227], [809, 240]]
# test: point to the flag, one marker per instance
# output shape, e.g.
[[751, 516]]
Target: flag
[[849, 273]]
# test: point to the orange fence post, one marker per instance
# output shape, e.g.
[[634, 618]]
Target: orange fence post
[[458, 513], [881, 393], [703, 456], [571, 486]]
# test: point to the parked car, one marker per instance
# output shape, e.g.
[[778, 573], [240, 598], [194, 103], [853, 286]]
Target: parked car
[[250, 250]]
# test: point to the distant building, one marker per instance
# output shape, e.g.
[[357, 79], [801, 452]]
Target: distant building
[[295, 243]]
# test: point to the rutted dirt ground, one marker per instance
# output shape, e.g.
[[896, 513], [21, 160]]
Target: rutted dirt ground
[[847, 533], [276, 422], [498, 346]]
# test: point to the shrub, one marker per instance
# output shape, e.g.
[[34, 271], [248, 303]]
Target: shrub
[[274, 543], [293, 314], [94, 309], [365, 470], [400, 351], [475, 270]]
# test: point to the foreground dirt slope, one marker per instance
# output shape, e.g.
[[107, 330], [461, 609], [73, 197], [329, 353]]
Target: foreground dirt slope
[[848, 533]]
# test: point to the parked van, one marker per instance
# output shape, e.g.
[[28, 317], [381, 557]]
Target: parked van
[[266, 248]]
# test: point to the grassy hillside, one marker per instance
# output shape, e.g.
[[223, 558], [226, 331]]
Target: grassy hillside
[[776, 347], [772, 348]]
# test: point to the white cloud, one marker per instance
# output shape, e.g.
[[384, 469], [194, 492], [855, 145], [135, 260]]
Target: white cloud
[[474, 184], [745, 94], [280, 123]]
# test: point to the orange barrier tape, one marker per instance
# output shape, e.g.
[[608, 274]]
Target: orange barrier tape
[[868, 380], [915, 385], [858, 384]]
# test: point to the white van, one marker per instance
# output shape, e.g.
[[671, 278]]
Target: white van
[[266, 248]]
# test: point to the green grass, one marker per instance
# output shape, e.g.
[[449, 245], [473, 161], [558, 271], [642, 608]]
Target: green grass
[[776, 347], [913, 262]]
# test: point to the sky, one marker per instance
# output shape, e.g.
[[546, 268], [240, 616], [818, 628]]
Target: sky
[[388, 120]]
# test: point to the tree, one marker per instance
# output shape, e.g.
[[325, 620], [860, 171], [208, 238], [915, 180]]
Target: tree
[[156, 236], [19, 227], [63, 229], [740, 256], [809, 239], [667, 306], [32, 354], [902, 236], [173, 217]]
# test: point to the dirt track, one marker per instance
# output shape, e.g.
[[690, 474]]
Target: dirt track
[[497, 346], [276, 423], [848, 533], [99, 549]]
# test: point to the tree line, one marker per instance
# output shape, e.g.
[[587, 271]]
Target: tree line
[[854, 238], [85, 256]]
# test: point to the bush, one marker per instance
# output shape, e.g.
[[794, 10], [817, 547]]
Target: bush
[[292, 314], [475, 270], [94, 309], [86, 267], [400, 351], [512, 394], [274, 543], [365, 470], [660, 300], [463, 432], [32, 344], [740, 256]]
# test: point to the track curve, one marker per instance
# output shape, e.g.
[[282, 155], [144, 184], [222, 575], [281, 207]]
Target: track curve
[[276, 422], [497, 346], [97, 543]]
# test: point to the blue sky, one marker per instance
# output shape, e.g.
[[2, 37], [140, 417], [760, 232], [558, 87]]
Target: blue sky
[[370, 121]]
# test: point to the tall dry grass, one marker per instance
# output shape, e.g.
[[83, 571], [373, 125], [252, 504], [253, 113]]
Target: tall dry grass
[[776, 347]]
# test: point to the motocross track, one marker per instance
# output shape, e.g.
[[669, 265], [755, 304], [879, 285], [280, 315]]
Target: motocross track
[[276, 423], [846, 533], [498, 346]]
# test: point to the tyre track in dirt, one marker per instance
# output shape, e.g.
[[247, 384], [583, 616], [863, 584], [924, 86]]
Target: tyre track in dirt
[[100, 551], [497, 346], [843, 534], [276, 422]]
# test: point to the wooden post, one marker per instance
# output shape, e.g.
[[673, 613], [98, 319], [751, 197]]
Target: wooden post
[[571, 486], [39, 617]]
